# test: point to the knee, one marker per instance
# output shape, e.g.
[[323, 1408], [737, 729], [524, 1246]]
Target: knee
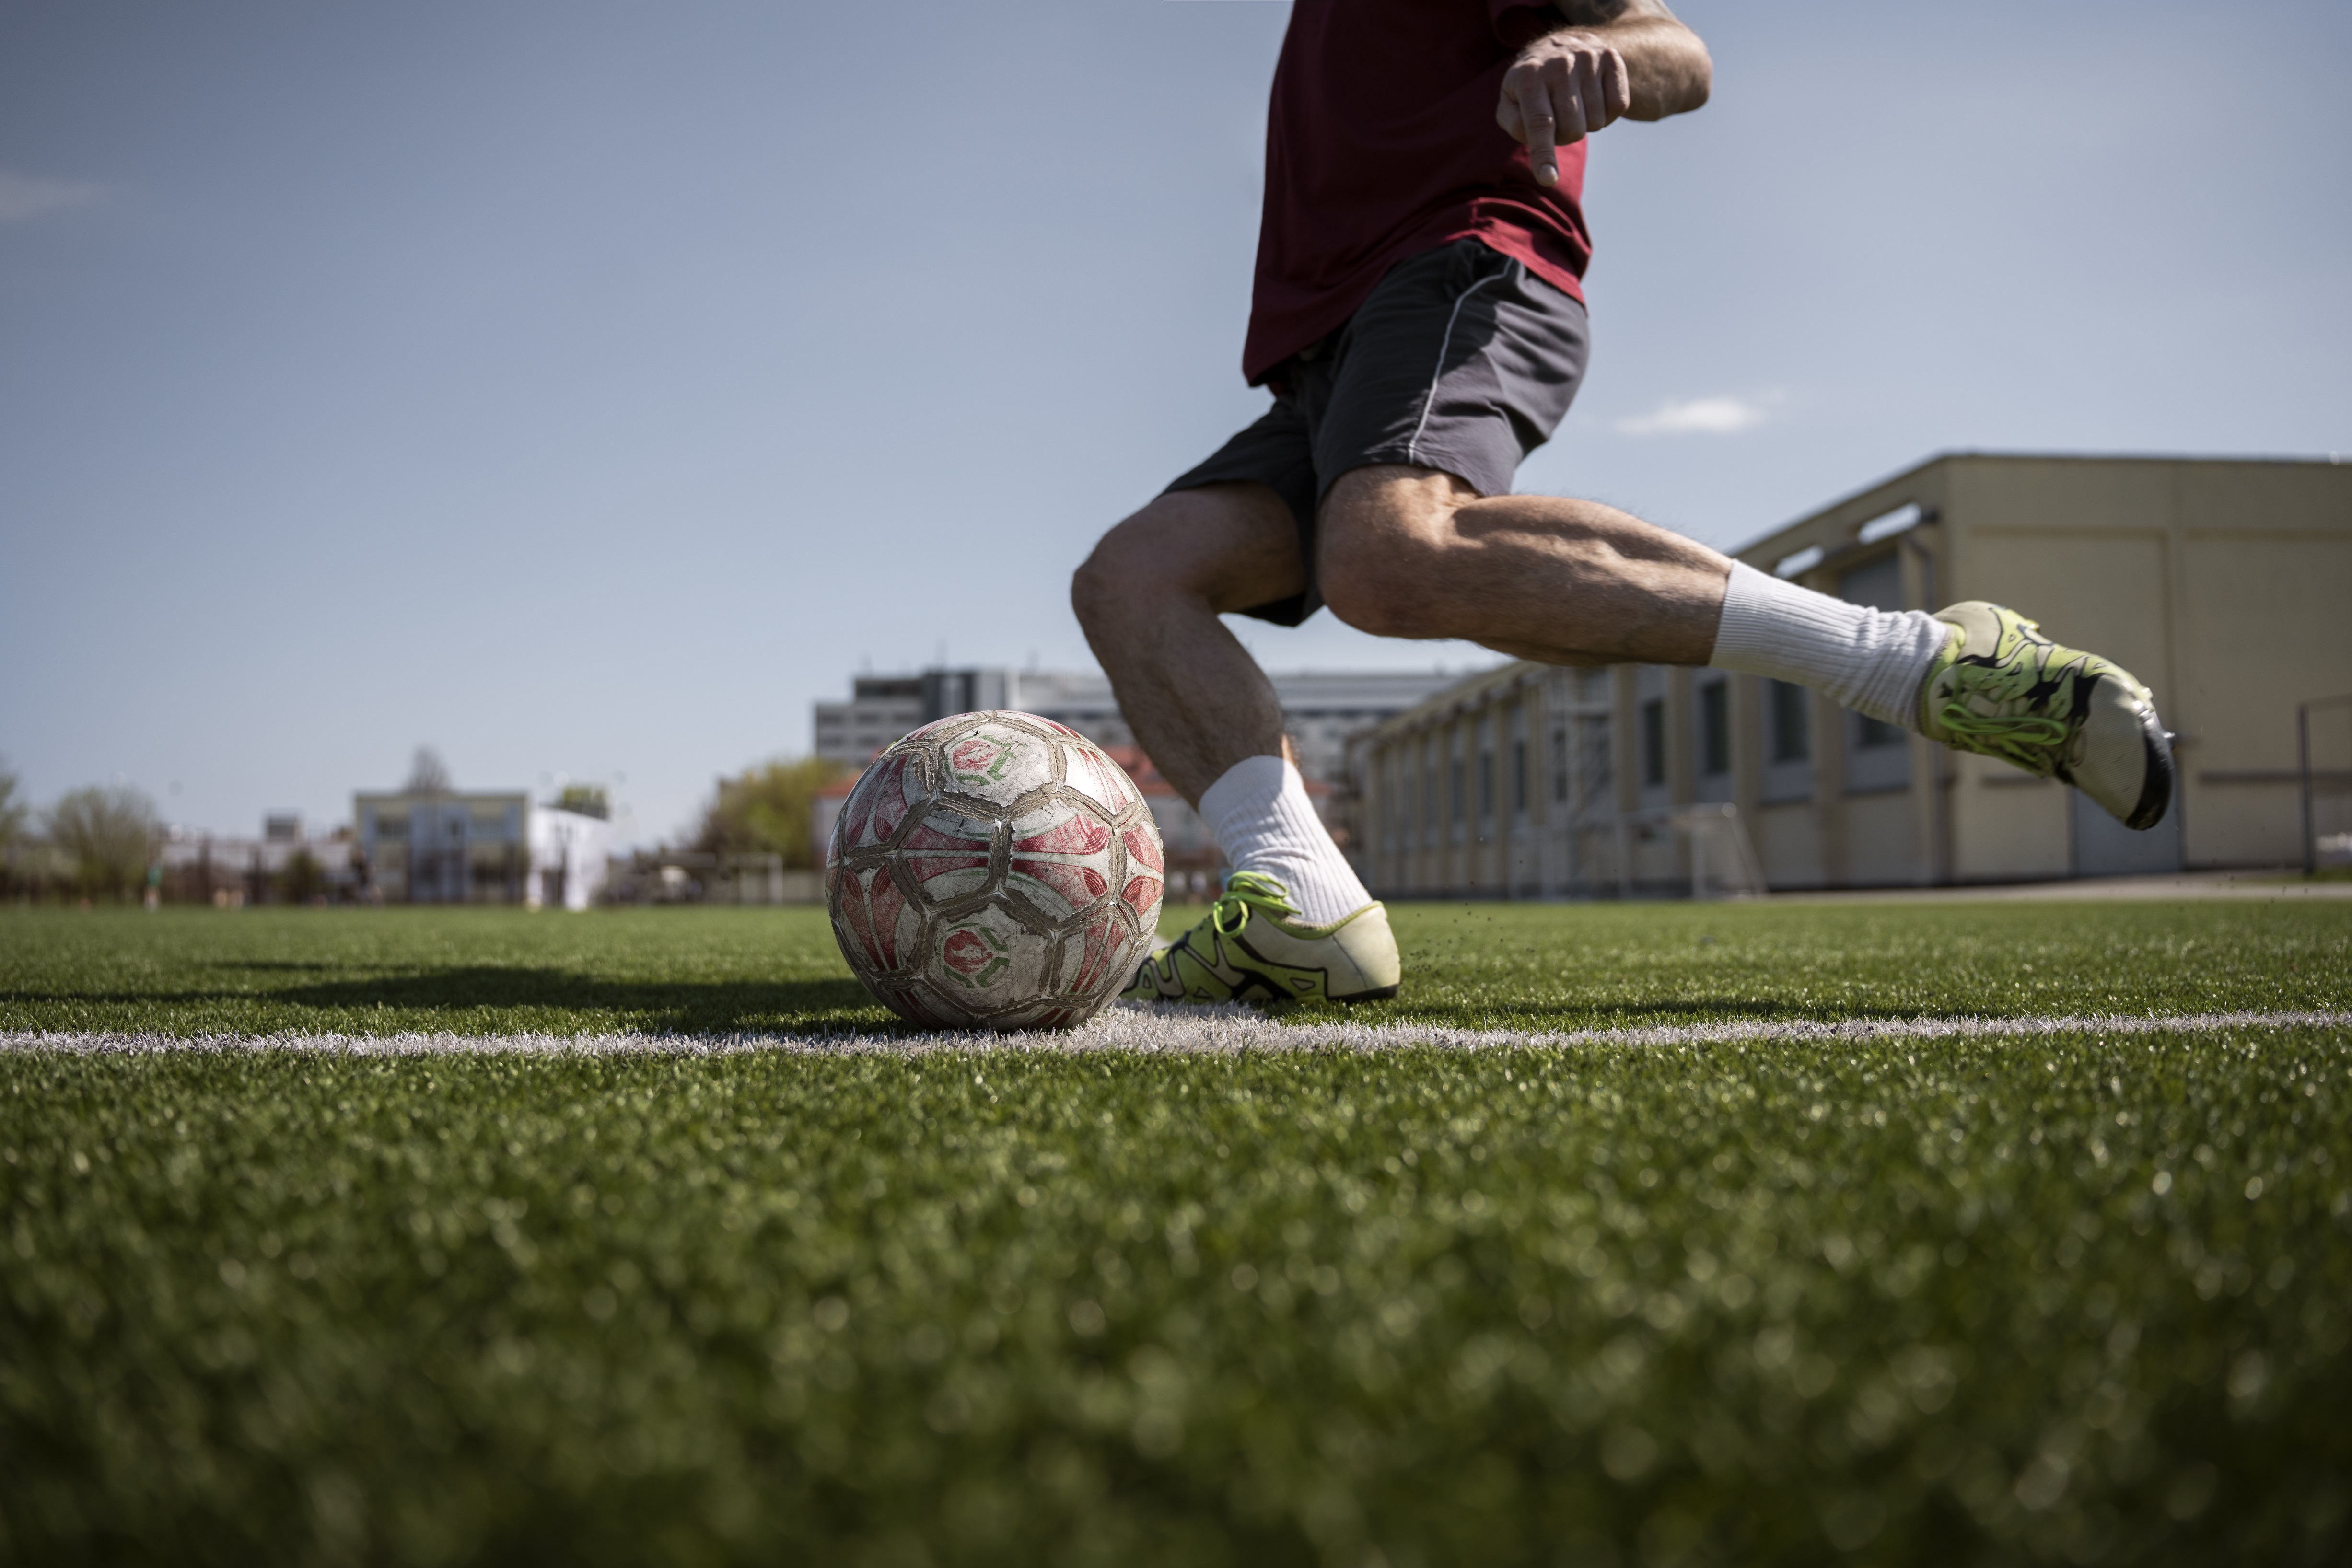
[[1103, 579]]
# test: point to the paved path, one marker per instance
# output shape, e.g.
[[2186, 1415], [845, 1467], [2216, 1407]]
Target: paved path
[[2269, 886]]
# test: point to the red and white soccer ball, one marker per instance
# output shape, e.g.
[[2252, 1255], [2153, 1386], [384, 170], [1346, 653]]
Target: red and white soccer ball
[[994, 870]]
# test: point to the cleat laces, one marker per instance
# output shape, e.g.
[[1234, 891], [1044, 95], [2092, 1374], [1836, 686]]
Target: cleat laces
[[1992, 714], [1246, 889]]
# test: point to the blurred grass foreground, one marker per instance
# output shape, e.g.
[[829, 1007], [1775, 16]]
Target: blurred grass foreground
[[2081, 1297]]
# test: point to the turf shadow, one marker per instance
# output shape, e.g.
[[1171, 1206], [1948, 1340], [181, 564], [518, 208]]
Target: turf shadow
[[696, 1007], [701, 1007]]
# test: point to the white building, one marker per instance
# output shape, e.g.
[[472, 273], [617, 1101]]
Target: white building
[[497, 847]]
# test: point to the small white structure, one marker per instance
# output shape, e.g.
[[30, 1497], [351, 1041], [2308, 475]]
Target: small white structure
[[570, 856], [495, 847]]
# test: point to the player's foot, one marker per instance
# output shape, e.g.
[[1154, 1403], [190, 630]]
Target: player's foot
[[1250, 946], [2003, 689]]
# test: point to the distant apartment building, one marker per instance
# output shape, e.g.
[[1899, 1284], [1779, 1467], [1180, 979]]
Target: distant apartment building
[[2223, 584], [495, 847], [1320, 709]]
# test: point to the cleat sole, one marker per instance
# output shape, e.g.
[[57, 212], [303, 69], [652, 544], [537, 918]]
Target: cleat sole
[[2156, 789]]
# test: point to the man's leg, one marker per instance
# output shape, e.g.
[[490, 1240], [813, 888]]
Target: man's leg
[[1413, 553], [1149, 597], [1296, 921]]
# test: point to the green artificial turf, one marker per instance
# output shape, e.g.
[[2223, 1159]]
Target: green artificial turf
[[1546, 966], [2073, 1298]]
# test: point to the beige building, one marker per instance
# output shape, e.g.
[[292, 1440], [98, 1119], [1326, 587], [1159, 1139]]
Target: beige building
[[2225, 585]]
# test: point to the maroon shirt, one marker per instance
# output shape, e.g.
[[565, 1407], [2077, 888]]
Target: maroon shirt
[[1380, 142]]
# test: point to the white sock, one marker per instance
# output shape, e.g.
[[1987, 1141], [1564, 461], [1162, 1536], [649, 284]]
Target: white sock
[[1870, 660], [1264, 823]]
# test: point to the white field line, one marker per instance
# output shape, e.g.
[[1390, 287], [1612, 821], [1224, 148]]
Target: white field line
[[1150, 1031]]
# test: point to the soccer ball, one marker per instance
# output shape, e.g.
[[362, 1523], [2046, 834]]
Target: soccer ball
[[994, 870]]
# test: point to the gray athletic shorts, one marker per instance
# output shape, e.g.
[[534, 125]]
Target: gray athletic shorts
[[1461, 360]]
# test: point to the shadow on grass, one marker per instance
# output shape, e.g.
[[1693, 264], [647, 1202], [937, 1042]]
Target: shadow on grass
[[705, 1006]]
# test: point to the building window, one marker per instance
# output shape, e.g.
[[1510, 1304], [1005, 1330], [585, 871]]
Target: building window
[[1485, 783], [1793, 739], [1873, 733], [1654, 741], [1459, 797], [1560, 765], [1715, 728], [1518, 776], [1593, 754]]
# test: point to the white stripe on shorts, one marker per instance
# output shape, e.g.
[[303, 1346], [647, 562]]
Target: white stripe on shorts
[[1429, 399]]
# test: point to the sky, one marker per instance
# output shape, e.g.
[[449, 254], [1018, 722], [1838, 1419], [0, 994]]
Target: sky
[[585, 389]]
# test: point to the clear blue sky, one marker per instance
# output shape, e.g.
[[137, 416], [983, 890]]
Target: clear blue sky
[[585, 389]]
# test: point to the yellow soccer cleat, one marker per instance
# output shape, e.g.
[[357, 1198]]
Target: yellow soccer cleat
[[2001, 689], [1249, 947]]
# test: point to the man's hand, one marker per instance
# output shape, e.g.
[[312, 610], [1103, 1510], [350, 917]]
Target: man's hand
[[1562, 86], [1615, 57]]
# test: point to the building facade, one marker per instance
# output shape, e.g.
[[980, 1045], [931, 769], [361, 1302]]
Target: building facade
[[497, 847], [1322, 710], [2225, 585], [284, 864]]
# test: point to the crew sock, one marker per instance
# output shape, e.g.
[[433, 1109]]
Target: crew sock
[[1872, 660], [1263, 821]]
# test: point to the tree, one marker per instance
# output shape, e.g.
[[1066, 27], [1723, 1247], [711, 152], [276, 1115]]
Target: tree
[[12, 828], [12, 809], [304, 878], [105, 833], [587, 799], [427, 775], [767, 811]]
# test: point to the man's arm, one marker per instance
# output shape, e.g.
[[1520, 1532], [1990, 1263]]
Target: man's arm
[[1614, 60]]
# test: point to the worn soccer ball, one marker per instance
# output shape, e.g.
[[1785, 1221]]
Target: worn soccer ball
[[994, 870]]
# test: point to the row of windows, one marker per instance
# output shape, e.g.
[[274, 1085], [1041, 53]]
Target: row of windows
[[1788, 724], [1456, 784], [486, 825], [1419, 786]]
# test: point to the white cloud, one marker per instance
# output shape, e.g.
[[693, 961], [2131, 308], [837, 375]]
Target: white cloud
[[1698, 416], [22, 198]]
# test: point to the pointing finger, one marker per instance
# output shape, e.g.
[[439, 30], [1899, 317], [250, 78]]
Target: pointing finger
[[1541, 125]]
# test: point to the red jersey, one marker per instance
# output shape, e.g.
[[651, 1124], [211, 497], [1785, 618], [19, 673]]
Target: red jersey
[[1381, 141]]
